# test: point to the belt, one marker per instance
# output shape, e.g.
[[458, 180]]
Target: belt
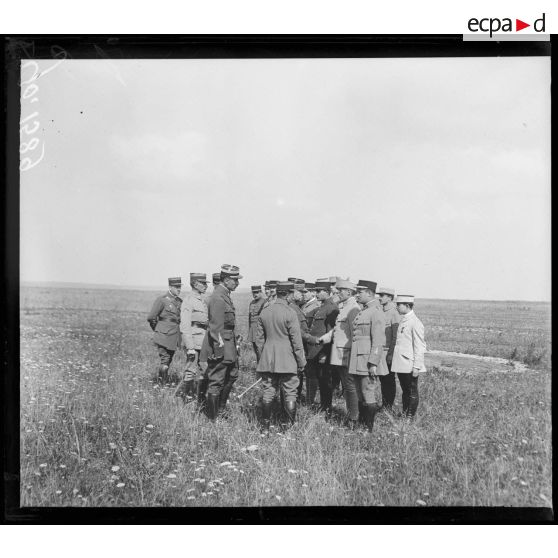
[[173, 320], [229, 328], [200, 324]]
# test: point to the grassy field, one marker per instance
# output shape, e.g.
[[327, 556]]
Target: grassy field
[[95, 431]]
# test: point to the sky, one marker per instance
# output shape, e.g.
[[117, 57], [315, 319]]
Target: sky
[[428, 175]]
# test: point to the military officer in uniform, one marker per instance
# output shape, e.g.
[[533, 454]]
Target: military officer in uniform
[[254, 309], [272, 289], [294, 298], [164, 320], [193, 325], [340, 338], [367, 359], [408, 355], [222, 351], [282, 354], [310, 303], [318, 369], [393, 318]]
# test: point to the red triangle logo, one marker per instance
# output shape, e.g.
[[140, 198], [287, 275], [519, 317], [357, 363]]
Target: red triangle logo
[[519, 25]]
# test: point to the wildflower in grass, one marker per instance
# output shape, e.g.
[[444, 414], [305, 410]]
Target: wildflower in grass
[[224, 463], [191, 498], [115, 468], [149, 426], [157, 453], [278, 497], [120, 485], [43, 465], [112, 446], [59, 492], [293, 471], [421, 502], [304, 486], [171, 476]]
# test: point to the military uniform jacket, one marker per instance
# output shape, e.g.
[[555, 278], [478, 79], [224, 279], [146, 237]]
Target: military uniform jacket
[[323, 321], [279, 340], [269, 301], [164, 318], [410, 345], [254, 310], [308, 309], [222, 321], [193, 320], [393, 318], [307, 338], [340, 336], [369, 338]]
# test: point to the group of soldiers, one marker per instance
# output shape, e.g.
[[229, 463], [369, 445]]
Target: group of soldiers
[[314, 334]]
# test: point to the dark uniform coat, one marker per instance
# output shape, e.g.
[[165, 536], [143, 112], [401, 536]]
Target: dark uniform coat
[[308, 309], [307, 338], [278, 339], [323, 321], [392, 318], [254, 310], [222, 321], [164, 319], [368, 340]]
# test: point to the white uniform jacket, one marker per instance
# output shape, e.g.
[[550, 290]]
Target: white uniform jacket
[[410, 345]]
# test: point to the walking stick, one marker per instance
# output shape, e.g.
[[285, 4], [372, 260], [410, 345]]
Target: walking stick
[[248, 389]]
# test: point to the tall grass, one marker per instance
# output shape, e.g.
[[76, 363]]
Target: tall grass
[[95, 431]]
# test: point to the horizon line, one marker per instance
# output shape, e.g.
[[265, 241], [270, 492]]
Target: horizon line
[[111, 286]]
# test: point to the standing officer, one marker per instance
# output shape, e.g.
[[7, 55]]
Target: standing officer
[[408, 355], [256, 305], [294, 298], [311, 302], [216, 279], [222, 352], [367, 351], [193, 325], [164, 320], [318, 369], [280, 342], [340, 338], [272, 289], [392, 323]]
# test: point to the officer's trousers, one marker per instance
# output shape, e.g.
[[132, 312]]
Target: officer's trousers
[[165, 355], [219, 374], [410, 397], [349, 391], [388, 389], [273, 382], [365, 388], [195, 370], [320, 372]]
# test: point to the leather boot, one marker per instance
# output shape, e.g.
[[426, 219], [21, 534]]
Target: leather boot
[[311, 390], [201, 393], [212, 406], [370, 414], [290, 410], [266, 416], [362, 413], [225, 392], [163, 374]]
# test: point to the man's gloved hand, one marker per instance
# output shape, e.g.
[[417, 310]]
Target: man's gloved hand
[[313, 341], [153, 324], [191, 354], [415, 372], [372, 369]]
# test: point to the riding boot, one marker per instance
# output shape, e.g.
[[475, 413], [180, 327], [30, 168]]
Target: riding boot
[[290, 410], [201, 389], [326, 394], [163, 374], [212, 406], [311, 390], [266, 416], [299, 397], [370, 414], [361, 413], [225, 392]]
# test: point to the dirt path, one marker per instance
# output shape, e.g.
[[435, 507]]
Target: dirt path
[[473, 363]]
